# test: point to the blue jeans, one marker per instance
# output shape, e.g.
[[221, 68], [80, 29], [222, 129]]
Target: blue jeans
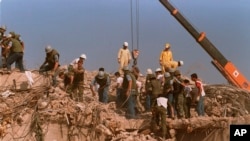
[[148, 103], [200, 106], [15, 57], [131, 103], [103, 94]]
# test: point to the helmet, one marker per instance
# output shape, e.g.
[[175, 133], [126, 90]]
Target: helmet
[[101, 74], [180, 63], [83, 56], [9, 35], [158, 70], [167, 45], [3, 27], [177, 72], [149, 71], [48, 49], [12, 34], [125, 44]]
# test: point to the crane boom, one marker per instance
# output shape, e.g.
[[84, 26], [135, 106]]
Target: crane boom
[[226, 68]]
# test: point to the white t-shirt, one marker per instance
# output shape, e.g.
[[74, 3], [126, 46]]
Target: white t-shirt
[[74, 62], [187, 91], [119, 81], [162, 101]]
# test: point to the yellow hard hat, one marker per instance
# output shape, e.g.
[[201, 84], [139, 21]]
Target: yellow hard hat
[[167, 45]]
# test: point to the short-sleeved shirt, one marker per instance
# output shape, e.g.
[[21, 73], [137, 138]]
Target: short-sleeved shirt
[[119, 81]]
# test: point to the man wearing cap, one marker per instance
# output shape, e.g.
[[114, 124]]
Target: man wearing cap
[[166, 59], [73, 64], [15, 55], [129, 91], [103, 80], [51, 63], [123, 57]]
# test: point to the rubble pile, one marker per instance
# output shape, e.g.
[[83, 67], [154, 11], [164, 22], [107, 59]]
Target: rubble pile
[[34, 111]]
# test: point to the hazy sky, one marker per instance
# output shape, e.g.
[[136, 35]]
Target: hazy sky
[[98, 28]]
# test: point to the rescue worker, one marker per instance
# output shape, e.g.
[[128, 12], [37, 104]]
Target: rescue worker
[[67, 78], [74, 63], [124, 57], [166, 59], [148, 90], [118, 87], [159, 75], [168, 93], [17, 37], [136, 71], [187, 98], [130, 92], [155, 87], [103, 80], [78, 82], [15, 55], [200, 96], [159, 116], [178, 93], [51, 63]]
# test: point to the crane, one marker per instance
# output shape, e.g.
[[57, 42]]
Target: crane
[[224, 66]]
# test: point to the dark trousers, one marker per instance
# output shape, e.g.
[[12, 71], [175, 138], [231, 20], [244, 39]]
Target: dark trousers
[[15, 57]]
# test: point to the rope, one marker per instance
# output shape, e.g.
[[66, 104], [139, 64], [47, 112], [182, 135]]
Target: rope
[[136, 32], [131, 20]]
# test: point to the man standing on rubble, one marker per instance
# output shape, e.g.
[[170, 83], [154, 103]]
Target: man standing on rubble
[[178, 93], [130, 92], [16, 54], [103, 80], [200, 96], [159, 115], [166, 59], [78, 82], [51, 63], [123, 57]]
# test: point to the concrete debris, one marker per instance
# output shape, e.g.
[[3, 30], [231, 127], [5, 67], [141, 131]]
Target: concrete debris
[[40, 112]]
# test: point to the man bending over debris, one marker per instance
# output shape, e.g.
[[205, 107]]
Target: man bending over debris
[[159, 115], [51, 63], [103, 80]]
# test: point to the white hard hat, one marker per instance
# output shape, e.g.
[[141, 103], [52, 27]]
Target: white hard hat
[[125, 44], [158, 69], [181, 63], [9, 35], [48, 49], [149, 71], [3, 27], [83, 56]]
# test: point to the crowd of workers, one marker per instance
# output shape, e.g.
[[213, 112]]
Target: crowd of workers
[[167, 94]]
